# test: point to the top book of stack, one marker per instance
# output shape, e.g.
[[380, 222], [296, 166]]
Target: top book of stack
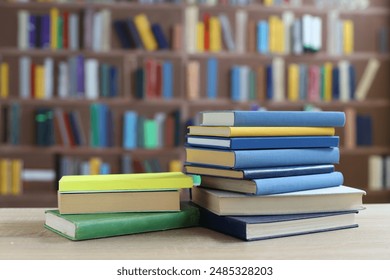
[[273, 118]]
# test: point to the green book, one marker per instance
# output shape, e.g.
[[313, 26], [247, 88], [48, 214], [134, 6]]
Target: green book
[[252, 85], [91, 226], [150, 134], [94, 125], [60, 26]]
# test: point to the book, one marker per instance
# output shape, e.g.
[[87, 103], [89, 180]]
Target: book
[[348, 36], [245, 143], [156, 181], [234, 131], [267, 186], [90, 226], [212, 78], [340, 198], [262, 227], [272, 118], [119, 201], [262, 158], [367, 79], [376, 174], [145, 32], [257, 173], [158, 33]]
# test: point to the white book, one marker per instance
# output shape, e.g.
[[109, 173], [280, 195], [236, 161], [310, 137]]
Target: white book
[[288, 20], [160, 120], [91, 78], [307, 31], [227, 34], [344, 81], [191, 19], [332, 21], [97, 30], [367, 79], [316, 35], [23, 17], [241, 30], [106, 30], [339, 37], [24, 77], [63, 80], [38, 175], [74, 32], [49, 78], [244, 83], [375, 172], [297, 47], [278, 78]]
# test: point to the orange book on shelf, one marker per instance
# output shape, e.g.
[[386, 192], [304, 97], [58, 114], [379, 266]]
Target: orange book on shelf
[[206, 21], [94, 165], [193, 79]]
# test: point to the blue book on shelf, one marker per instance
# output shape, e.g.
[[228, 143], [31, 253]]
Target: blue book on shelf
[[246, 143], [109, 129], [212, 78], [262, 36], [123, 36], [276, 185], [105, 168], [235, 83], [302, 81], [32, 31], [167, 80], [335, 83], [363, 130], [102, 117], [74, 128], [140, 83], [80, 76], [273, 118], [45, 31], [113, 81], [258, 173], [262, 158], [132, 30], [352, 81], [269, 83], [130, 130], [250, 228], [160, 37], [38, 32], [104, 80]]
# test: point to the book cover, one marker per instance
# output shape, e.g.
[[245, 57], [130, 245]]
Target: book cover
[[32, 31], [167, 80], [293, 82], [133, 32], [364, 130], [54, 15], [129, 126], [23, 29], [200, 36], [262, 158], [143, 26], [215, 34], [258, 173], [275, 185], [245, 143], [227, 34], [161, 39], [121, 32], [273, 118], [89, 226], [212, 78], [367, 79], [193, 79]]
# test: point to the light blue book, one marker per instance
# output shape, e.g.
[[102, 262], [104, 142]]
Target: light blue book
[[130, 125], [167, 80], [105, 168], [235, 83], [263, 37], [302, 81], [212, 78]]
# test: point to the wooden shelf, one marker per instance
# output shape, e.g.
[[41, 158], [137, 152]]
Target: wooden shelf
[[365, 151], [382, 196], [30, 200]]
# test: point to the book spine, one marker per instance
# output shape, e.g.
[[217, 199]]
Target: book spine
[[212, 78]]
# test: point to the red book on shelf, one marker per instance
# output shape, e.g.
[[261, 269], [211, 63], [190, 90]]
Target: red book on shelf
[[32, 80], [151, 78], [159, 79], [65, 33], [72, 141], [138, 166], [206, 21]]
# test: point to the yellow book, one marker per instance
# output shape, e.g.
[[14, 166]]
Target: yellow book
[[137, 181], [234, 131], [215, 35], [16, 180], [200, 36], [175, 165], [268, 3], [94, 166], [293, 82], [273, 26], [5, 178], [39, 82], [280, 36], [348, 31], [4, 80], [143, 27], [328, 81], [54, 28]]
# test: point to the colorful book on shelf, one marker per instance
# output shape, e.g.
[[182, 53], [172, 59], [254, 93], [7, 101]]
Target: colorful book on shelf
[[250, 228], [4, 79], [364, 130], [272, 118], [267, 186], [241, 131], [133, 32], [143, 26], [118, 201], [156, 181], [258, 173], [262, 158], [212, 78], [6, 176], [90, 226], [245, 143], [339, 198]]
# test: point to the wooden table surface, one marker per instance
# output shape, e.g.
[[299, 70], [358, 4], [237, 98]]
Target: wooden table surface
[[22, 236]]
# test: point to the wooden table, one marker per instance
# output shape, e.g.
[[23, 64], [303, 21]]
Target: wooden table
[[22, 236]]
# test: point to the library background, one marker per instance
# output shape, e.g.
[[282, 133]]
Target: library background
[[77, 76]]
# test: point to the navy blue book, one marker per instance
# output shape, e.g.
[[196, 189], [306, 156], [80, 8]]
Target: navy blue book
[[113, 81], [258, 173], [335, 83], [352, 81], [269, 87], [246, 143], [133, 32], [363, 130], [160, 37], [123, 36], [38, 32], [140, 83], [251, 228], [267, 186]]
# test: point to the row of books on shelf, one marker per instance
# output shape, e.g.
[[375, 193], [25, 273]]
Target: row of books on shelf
[[11, 176], [379, 172]]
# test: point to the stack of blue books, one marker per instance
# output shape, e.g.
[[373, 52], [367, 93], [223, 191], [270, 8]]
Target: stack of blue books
[[267, 174]]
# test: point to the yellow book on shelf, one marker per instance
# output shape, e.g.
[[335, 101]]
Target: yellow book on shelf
[[328, 81], [175, 165], [54, 13], [268, 3], [200, 36], [4, 80], [16, 180], [39, 82], [137, 181], [348, 32], [143, 27], [293, 82], [273, 32], [215, 35], [234, 131], [280, 36], [5, 176], [94, 166]]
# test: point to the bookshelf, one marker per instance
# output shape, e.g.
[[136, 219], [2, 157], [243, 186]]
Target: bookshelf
[[354, 159]]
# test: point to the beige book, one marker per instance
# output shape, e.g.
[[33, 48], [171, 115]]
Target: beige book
[[193, 69]]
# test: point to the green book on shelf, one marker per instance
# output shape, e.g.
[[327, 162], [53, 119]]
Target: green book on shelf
[[91, 226], [150, 134]]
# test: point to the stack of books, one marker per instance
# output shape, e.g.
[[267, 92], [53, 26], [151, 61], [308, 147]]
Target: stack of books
[[270, 174], [95, 206]]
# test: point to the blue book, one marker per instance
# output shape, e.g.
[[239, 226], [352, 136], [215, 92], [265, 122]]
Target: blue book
[[132, 30], [269, 83], [45, 32], [363, 130], [235, 83], [140, 83], [38, 32], [246, 143], [262, 37], [276, 185], [167, 80], [80, 78], [160, 37], [212, 78], [335, 83], [302, 81], [129, 128], [105, 168], [113, 81], [273, 118], [262, 158], [262, 227], [122, 33], [74, 128], [352, 81], [258, 173], [32, 31]]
